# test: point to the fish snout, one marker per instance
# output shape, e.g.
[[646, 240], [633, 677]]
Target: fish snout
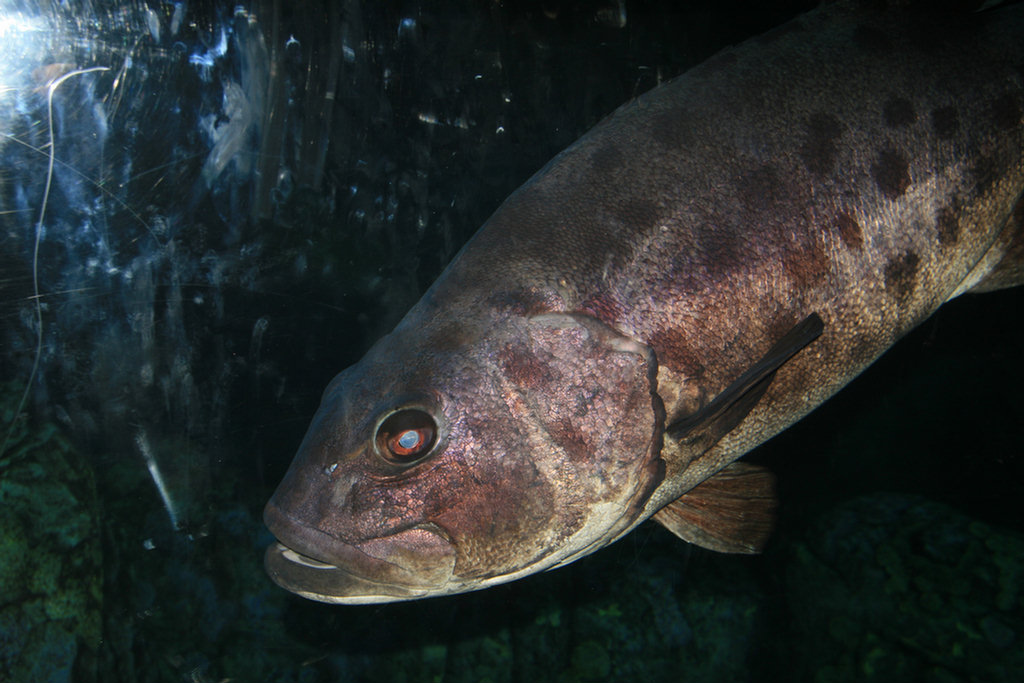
[[408, 564]]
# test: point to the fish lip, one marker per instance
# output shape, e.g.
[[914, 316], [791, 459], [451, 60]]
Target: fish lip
[[404, 564]]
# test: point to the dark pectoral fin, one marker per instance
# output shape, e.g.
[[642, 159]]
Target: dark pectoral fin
[[732, 512], [703, 429]]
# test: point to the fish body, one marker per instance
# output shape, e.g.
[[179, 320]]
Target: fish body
[[695, 274]]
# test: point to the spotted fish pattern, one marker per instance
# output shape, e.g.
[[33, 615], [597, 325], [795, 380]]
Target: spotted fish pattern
[[699, 271]]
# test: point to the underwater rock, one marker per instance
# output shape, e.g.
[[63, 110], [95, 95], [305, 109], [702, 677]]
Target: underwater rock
[[897, 588], [663, 612], [50, 555]]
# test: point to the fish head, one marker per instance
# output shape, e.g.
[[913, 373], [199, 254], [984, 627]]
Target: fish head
[[450, 459]]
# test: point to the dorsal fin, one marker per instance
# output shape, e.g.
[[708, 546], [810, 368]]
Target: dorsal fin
[[731, 512], [703, 429]]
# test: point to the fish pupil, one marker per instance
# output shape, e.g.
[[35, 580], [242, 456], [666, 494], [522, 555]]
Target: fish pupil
[[405, 436], [409, 439], [410, 443]]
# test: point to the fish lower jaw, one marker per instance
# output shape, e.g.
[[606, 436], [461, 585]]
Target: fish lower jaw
[[324, 582], [403, 565]]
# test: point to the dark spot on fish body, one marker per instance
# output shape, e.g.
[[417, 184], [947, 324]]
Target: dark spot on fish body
[[898, 112], [1006, 112], [758, 188], [872, 39], [891, 173], [670, 129], [570, 439], [524, 369], [850, 231], [819, 149], [806, 263], [900, 275], [948, 226], [985, 172], [719, 252], [636, 212], [774, 223], [945, 122], [606, 161]]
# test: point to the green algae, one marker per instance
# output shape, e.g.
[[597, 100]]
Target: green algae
[[50, 555], [924, 593]]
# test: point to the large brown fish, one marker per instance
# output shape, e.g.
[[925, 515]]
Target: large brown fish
[[698, 272]]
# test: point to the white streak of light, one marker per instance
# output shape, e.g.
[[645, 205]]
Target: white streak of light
[[154, 471]]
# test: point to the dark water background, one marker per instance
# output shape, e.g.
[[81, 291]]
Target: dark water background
[[246, 198]]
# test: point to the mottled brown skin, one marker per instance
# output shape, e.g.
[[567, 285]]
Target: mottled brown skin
[[860, 164]]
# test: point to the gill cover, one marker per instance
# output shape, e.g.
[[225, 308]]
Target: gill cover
[[429, 471]]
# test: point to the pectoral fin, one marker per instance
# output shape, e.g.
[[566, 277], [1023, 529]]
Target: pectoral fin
[[732, 512], [703, 429]]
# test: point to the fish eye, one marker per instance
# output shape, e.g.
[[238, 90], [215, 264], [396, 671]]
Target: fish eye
[[406, 436]]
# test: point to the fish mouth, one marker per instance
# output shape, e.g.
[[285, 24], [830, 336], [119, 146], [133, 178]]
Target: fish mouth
[[412, 563]]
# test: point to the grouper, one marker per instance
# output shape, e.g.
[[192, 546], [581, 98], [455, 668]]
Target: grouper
[[706, 266]]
